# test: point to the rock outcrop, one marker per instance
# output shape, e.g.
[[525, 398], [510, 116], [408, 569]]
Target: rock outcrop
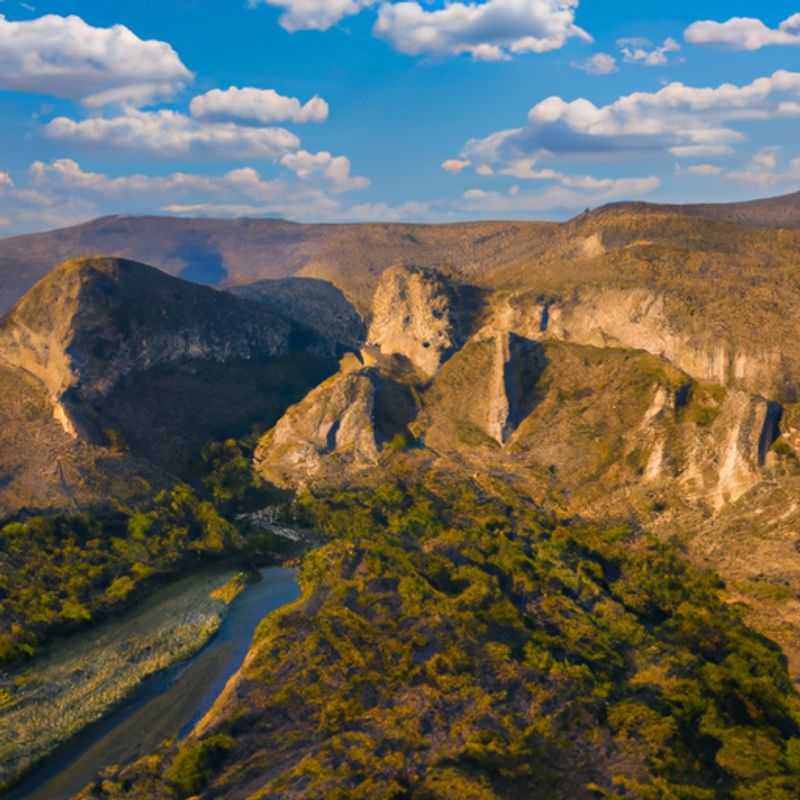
[[338, 428], [414, 314], [644, 319]]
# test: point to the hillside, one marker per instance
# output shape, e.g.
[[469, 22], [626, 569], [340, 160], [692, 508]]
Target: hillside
[[121, 362], [529, 451], [769, 212], [240, 251], [226, 253]]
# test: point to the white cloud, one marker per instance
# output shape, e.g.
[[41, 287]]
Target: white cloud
[[641, 51], [686, 121], [767, 159], [762, 170], [318, 15], [62, 192], [384, 212], [744, 33], [170, 133], [515, 201], [67, 57], [66, 173], [336, 169], [5, 181], [525, 169], [598, 64], [257, 105], [455, 165], [4, 222], [490, 31]]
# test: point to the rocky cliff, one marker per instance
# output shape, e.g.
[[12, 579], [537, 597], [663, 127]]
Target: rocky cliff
[[414, 314], [138, 370], [92, 322], [313, 303]]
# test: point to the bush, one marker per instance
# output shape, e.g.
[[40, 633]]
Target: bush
[[195, 763]]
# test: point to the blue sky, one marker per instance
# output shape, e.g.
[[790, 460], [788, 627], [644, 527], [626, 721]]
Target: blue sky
[[423, 111]]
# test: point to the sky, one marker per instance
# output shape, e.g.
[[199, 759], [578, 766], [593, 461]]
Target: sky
[[371, 110]]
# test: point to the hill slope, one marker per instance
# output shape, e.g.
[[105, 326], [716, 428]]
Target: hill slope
[[768, 212], [232, 252], [131, 363]]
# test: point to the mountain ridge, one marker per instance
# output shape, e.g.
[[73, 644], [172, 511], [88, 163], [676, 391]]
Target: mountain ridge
[[234, 252]]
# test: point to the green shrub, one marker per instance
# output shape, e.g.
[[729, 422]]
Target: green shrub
[[195, 763]]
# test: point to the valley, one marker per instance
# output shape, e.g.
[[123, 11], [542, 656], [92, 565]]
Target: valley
[[550, 470]]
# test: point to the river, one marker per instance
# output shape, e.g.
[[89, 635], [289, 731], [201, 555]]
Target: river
[[167, 704]]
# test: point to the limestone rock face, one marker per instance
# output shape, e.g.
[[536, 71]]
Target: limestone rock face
[[414, 314], [338, 428], [335, 418], [646, 320], [717, 461], [93, 321], [515, 368]]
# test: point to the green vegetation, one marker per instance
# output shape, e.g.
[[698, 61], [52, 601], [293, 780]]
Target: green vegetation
[[227, 476], [60, 573], [195, 762], [451, 644]]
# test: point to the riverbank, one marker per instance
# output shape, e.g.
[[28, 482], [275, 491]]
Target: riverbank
[[168, 704], [86, 676]]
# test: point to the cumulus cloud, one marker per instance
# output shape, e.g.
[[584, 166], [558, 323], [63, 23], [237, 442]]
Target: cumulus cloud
[[744, 33], [67, 173], [5, 181], [525, 169], [686, 121], [641, 51], [257, 105], [704, 169], [171, 133], [316, 15], [412, 211], [490, 31], [335, 169], [67, 57], [598, 64]]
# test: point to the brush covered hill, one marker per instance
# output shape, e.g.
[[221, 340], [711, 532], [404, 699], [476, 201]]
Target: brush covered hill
[[568, 410], [118, 363], [769, 212], [457, 644]]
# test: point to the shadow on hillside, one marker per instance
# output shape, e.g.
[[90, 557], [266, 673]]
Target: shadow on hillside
[[204, 263]]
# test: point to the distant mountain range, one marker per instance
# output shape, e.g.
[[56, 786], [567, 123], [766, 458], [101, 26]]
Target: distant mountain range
[[227, 253]]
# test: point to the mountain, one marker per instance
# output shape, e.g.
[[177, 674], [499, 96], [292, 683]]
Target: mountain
[[552, 470], [227, 253], [598, 402], [120, 363], [770, 212]]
